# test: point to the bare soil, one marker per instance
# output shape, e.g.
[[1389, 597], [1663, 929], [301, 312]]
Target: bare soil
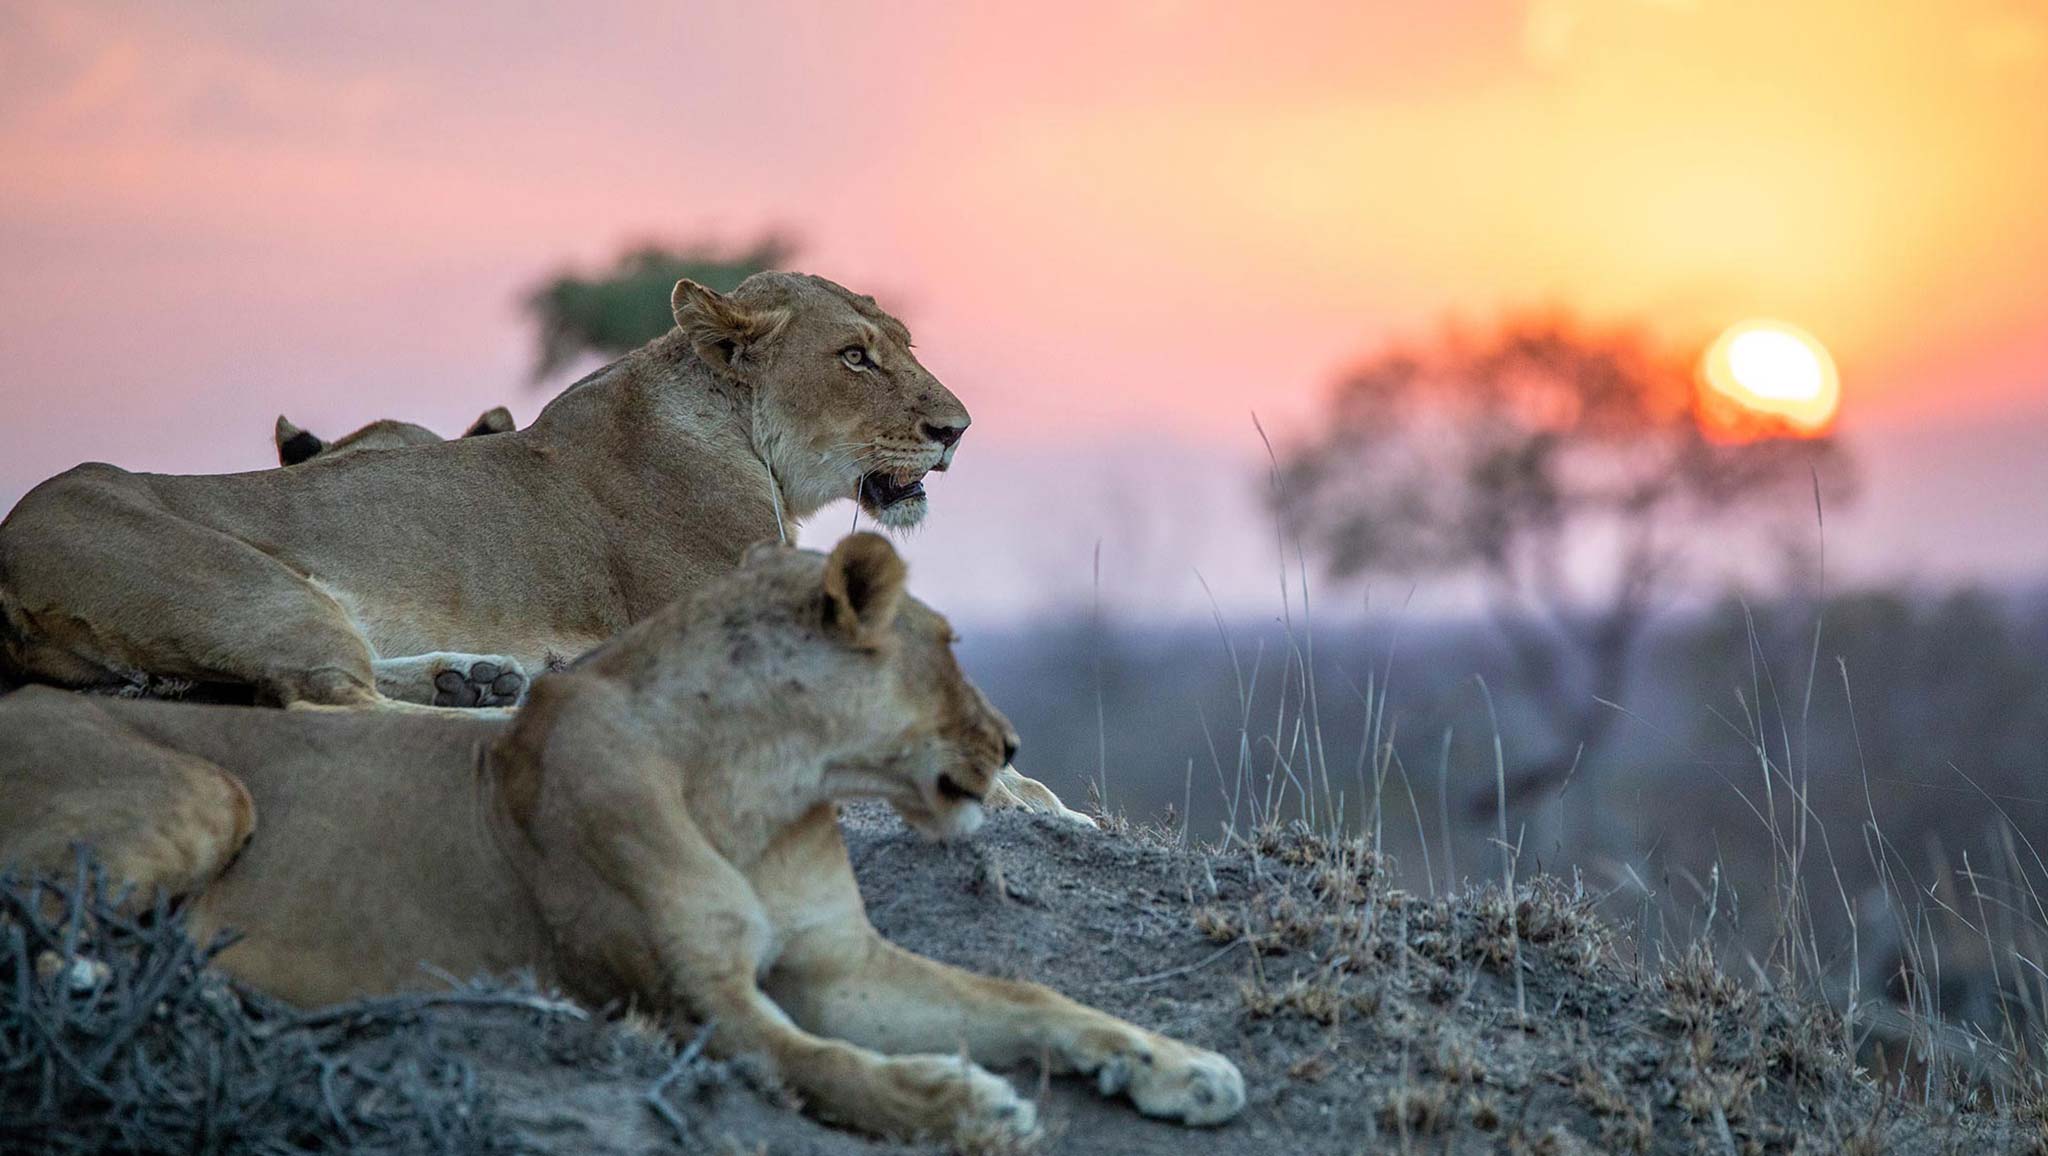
[[1365, 1020]]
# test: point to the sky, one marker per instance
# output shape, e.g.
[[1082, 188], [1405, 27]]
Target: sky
[[1118, 231]]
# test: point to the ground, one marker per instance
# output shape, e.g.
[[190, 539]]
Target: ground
[[1365, 1020]]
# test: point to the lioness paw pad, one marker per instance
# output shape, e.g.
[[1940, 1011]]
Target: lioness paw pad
[[1190, 1085], [484, 683]]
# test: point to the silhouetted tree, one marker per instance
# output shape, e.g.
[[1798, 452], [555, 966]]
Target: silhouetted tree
[[626, 306], [1568, 470]]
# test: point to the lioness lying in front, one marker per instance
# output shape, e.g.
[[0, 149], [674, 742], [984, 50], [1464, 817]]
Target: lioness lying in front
[[655, 826]]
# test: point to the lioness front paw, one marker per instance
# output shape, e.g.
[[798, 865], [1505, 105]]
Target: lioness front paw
[[947, 1098], [484, 683], [1173, 1081], [445, 678]]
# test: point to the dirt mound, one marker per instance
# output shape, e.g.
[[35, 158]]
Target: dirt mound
[[1363, 1017]]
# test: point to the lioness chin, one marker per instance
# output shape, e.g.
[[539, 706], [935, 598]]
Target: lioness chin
[[656, 827]]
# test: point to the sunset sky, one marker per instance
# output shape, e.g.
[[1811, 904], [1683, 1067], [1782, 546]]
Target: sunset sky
[[1116, 230]]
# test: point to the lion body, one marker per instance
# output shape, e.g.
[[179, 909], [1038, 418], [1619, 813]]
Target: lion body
[[655, 826], [524, 544], [375, 573]]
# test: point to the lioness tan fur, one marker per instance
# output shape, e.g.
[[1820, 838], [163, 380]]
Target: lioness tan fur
[[445, 573], [655, 826], [295, 445]]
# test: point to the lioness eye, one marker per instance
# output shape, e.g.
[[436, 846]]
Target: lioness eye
[[854, 356]]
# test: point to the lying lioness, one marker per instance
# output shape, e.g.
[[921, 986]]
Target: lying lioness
[[656, 826], [444, 574], [295, 445]]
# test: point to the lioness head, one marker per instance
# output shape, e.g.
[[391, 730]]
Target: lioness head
[[295, 445], [842, 407], [834, 648]]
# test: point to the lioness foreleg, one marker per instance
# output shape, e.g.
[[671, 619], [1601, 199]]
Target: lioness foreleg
[[630, 880], [710, 957], [838, 977], [895, 1001], [927, 1096]]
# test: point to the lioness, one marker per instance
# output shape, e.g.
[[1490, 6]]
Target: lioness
[[295, 445], [655, 826], [443, 574]]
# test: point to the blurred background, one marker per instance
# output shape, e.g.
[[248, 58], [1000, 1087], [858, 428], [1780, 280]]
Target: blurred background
[[1659, 387]]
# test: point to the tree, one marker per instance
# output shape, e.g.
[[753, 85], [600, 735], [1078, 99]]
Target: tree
[[1569, 471], [626, 306]]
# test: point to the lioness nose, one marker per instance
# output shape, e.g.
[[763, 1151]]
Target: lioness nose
[[1009, 751], [945, 435]]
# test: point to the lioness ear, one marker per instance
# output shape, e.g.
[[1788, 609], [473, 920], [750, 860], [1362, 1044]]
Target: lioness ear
[[294, 445], [863, 588], [725, 333], [497, 419]]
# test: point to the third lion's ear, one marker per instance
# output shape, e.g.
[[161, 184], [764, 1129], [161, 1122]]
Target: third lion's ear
[[721, 330], [864, 580], [495, 420], [294, 445]]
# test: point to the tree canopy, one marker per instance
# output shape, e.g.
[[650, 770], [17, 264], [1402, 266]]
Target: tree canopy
[[1570, 470], [623, 307]]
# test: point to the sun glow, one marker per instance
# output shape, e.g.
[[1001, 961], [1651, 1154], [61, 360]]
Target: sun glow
[[1764, 377]]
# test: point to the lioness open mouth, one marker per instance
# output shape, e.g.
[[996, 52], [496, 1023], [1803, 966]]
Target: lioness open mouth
[[881, 491], [953, 791]]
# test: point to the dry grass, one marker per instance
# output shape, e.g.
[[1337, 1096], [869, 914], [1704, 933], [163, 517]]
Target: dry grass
[[1687, 1057], [1885, 994], [1417, 1111]]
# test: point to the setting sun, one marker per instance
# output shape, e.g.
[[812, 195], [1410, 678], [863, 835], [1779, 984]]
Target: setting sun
[[1775, 375]]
